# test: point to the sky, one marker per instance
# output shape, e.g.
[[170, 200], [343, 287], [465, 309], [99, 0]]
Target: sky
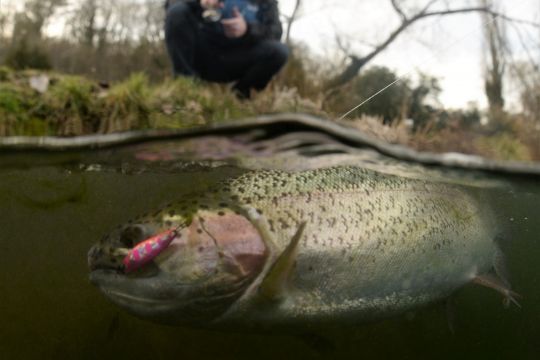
[[450, 48]]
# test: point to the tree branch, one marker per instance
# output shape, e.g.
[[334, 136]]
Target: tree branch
[[426, 8], [514, 20], [398, 10], [290, 21], [358, 62], [450, 12]]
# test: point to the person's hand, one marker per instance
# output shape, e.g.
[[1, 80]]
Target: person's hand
[[236, 26], [211, 4]]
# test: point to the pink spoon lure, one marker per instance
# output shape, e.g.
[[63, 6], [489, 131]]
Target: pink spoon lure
[[147, 250]]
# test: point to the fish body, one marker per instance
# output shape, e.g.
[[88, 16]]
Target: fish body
[[374, 244], [370, 245]]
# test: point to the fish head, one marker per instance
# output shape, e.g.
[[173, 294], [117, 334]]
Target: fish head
[[211, 261]]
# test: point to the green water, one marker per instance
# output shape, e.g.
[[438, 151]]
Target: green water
[[51, 215], [54, 206]]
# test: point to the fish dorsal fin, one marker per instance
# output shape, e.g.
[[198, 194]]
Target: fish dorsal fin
[[274, 284]]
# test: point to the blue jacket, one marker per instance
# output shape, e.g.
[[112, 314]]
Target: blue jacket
[[268, 25]]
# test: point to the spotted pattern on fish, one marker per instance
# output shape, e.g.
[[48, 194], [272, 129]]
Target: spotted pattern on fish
[[373, 242]]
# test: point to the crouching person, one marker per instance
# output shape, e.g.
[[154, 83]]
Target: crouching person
[[226, 41]]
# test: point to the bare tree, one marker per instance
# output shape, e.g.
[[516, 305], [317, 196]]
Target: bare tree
[[358, 62], [27, 49], [494, 62], [30, 22], [290, 19], [153, 20], [93, 23], [83, 23], [5, 16]]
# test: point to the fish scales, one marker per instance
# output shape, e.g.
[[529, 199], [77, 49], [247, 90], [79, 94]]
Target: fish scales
[[340, 244], [374, 243]]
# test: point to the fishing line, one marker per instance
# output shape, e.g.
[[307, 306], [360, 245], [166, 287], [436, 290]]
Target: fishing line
[[430, 60]]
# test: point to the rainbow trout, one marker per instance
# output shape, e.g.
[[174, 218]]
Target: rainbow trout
[[328, 245]]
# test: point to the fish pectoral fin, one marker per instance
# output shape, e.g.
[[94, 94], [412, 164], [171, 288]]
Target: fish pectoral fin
[[274, 284], [493, 282], [261, 224]]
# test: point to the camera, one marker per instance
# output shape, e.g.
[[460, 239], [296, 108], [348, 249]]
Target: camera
[[212, 15]]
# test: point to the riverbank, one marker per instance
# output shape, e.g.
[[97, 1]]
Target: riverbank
[[44, 103]]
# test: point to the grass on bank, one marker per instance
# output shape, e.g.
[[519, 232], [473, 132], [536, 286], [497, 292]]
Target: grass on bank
[[36, 103], [73, 105]]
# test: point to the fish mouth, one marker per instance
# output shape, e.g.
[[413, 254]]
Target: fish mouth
[[131, 291], [163, 299], [158, 297], [121, 296]]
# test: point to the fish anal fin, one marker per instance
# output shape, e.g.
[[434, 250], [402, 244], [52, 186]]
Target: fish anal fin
[[499, 264], [274, 284], [495, 283]]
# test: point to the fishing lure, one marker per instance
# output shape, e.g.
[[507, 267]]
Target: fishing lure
[[147, 250]]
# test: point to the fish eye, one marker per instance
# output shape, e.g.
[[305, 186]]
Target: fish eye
[[131, 235]]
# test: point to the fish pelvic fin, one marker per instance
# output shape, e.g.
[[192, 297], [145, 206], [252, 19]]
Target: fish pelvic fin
[[495, 283], [275, 283]]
